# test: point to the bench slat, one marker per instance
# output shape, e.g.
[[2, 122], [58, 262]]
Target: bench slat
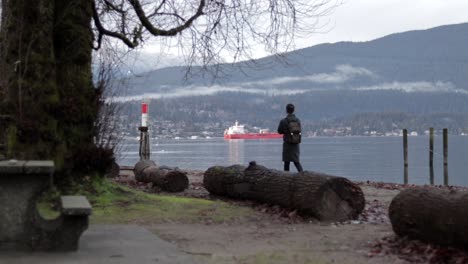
[[12, 166], [39, 167], [26, 166], [75, 205]]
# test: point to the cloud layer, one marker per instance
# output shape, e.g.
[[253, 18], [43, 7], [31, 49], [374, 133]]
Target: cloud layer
[[412, 87], [282, 85]]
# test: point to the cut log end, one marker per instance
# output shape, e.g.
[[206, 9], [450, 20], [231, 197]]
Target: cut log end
[[174, 181], [167, 178], [341, 200], [141, 166]]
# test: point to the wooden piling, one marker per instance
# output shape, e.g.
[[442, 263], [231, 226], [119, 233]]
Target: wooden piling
[[431, 156], [405, 155], [144, 144], [445, 156]]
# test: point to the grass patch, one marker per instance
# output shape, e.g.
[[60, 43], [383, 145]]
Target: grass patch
[[116, 204]]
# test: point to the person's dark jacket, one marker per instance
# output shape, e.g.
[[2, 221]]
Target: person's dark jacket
[[291, 152]]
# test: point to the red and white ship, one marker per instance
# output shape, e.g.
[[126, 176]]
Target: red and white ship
[[238, 132]]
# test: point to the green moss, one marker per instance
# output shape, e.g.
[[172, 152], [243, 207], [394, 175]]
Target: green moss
[[116, 204], [48, 203], [46, 210]]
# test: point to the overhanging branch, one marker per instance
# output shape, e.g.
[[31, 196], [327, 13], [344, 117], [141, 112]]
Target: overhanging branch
[[161, 32], [104, 31]]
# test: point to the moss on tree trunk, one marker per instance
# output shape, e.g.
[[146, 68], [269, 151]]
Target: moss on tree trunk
[[78, 99], [50, 94], [32, 94]]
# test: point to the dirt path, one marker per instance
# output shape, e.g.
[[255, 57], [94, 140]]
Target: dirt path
[[274, 235], [278, 243]]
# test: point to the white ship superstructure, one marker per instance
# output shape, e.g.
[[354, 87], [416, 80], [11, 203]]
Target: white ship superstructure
[[235, 129]]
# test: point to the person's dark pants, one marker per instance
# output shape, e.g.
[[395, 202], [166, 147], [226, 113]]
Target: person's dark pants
[[296, 163]]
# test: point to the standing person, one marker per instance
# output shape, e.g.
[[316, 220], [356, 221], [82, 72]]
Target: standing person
[[290, 127]]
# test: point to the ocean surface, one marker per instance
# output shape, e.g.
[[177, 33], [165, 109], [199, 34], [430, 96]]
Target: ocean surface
[[357, 158]]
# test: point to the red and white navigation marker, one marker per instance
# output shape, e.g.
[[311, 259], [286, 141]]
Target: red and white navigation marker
[[144, 138], [144, 114]]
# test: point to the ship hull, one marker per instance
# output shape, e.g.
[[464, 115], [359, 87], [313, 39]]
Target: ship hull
[[253, 136]]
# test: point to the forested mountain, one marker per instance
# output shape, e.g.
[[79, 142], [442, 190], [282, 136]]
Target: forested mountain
[[436, 58], [418, 73], [380, 111]]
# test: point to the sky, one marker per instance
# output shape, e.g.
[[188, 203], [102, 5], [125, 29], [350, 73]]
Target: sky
[[356, 20], [362, 20]]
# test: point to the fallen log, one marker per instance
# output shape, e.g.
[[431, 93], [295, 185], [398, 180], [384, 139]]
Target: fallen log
[[167, 178], [141, 166], [325, 197], [431, 215], [113, 171]]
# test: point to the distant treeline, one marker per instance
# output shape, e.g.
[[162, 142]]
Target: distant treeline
[[361, 110]]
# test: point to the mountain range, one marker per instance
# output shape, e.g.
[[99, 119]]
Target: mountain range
[[426, 60], [420, 72]]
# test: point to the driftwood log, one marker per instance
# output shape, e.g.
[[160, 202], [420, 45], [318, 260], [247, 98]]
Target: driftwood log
[[113, 171], [431, 215], [325, 197], [167, 178]]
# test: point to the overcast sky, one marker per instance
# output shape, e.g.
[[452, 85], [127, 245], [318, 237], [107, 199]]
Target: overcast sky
[[362, 20]]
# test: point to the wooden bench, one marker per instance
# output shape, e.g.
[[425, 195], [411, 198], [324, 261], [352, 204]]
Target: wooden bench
[[75, 205], [21, 226]]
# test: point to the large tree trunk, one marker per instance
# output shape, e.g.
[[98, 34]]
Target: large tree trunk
[[432, 215], [167, 178], [47, 47], [78, 106], [325, 197], [28, 61]]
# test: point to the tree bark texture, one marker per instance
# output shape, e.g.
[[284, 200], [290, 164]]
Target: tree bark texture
[[167, 178], [77, 105], [28, 61], [431, 215], [47, 46], [325, 197]]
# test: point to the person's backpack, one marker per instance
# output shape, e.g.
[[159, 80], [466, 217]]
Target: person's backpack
[[294, 131]]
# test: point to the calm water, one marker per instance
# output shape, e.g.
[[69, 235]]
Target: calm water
[[357, 158]]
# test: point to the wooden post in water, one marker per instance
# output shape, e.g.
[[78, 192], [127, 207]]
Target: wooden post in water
[[144, 138], [445, 156], [431, 156], [405, 155]]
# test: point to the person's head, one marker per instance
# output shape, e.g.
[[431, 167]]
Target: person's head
[[289, 108]]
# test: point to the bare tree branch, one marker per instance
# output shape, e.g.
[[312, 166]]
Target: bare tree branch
[[103, 31], [207, 31], [114, 7], [161, 32]]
